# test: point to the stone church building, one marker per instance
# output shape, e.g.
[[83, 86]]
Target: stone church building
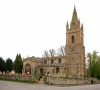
[[72, 64]]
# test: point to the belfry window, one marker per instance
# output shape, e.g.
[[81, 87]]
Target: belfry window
[[52, 61], [73, 39], [59, 60], [73, 23]]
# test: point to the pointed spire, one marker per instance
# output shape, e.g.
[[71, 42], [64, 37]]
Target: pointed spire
[[75, 23], [74, 8], [79, 21], [74, 13], [82, 26], [67, 26]]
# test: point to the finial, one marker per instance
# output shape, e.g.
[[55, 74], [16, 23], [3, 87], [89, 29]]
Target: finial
[[74, 3], [82, 26], [67, 22], [79, 20], [74, 11], [74, 8], [67, 26]]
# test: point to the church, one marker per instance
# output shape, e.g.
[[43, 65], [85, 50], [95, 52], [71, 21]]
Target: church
[[71, 65]]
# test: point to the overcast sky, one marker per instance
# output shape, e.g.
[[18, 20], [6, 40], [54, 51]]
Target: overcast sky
[[31, 26]]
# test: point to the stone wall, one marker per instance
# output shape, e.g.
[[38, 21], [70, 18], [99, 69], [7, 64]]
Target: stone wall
[[66, 81], [17, 77]]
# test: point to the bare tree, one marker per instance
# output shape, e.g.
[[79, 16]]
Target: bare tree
[[52, 52], [46, 54], [61, 51]]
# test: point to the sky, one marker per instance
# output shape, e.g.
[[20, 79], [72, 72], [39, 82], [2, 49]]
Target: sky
[[29, 27]]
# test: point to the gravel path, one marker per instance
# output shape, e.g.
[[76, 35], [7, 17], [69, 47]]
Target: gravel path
[[7, 85]]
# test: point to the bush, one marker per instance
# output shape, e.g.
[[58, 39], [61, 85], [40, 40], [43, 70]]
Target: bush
[[37, 76]]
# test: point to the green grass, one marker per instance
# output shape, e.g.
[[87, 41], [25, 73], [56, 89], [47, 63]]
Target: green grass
[[14, 80]]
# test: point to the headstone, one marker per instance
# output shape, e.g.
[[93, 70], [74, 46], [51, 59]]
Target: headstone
[[3, 72], [13, 72]]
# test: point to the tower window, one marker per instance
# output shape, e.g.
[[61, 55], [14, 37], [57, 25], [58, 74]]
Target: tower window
[[73, 39], [59, 60], [45, 61], [73, 23], [52, 61]]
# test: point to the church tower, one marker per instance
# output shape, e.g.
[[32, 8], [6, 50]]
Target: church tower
[[75, 50]]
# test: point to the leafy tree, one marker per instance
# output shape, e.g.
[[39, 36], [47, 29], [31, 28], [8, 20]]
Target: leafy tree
[[97, 68], [18, 64], [9, 65], [2, 65], [93, 69]]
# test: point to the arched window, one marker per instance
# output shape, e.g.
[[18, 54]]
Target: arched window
[[41, 71], [28, 69], [73, 23], [73, 39], [65, 69], [59, 60], [57, 70], [52, 61], [45, 61]]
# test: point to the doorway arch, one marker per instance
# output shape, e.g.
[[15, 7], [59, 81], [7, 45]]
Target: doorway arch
[[42, 71], [28, 69]]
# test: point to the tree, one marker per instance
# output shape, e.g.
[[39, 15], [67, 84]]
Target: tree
[[9, 65], [52, 52], [2, 65], [37, 76], [97, 68], [46, 54], [91, 63], [18, 64], [62, 51], [93, 69]]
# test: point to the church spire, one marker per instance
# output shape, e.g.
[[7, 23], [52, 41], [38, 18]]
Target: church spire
[[82, 27], [74, 17], [67, 26], [75, 23]]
